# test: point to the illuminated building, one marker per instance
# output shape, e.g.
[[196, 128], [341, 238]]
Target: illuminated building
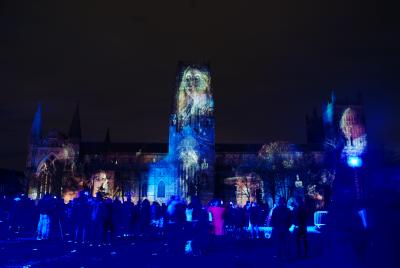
[[191, 163]]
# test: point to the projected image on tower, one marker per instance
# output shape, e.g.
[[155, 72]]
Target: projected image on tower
[[353, 131], [194, 98]]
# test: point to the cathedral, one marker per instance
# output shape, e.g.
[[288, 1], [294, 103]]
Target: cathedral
[[191, 163]]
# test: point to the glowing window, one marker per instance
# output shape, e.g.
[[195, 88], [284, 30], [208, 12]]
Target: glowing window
[[161, 189]]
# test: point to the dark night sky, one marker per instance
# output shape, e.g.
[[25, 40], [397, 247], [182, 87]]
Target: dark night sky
[[272, 62]]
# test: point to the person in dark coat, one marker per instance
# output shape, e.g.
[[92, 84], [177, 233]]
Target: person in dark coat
[[68, 220], [128, 216], [254, 219], [300, 220], [262, 215], [155, 214], [241, 222], [145, 217], [81, 218], [176, 219], [229, 219], [108, 224], [281, 222], [97, 219], [117, 210], [19, 212], [57, 216], [199, 227]]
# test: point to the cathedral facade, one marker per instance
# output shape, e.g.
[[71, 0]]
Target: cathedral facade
[[191, 163]]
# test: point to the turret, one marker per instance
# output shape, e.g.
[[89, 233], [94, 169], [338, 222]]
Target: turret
[[36, 129], [314, 128], [107, 138], [75, 133]]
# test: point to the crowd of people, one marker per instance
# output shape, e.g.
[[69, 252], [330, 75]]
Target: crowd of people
[[187, 226]]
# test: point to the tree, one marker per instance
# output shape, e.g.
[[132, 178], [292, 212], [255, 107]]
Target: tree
[[246, 185], [196, 184], [279, 161]]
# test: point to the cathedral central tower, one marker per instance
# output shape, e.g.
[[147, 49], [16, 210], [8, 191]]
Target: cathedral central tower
[[192, 131], [189, 165]]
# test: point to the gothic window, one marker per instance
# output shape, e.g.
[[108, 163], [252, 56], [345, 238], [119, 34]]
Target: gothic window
[[161, 189]]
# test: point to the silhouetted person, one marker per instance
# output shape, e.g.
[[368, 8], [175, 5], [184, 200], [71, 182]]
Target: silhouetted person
[[81, 218], [5, 208], [163, 219], [136, 219], [128, 216], [238, 215], [97, 218], [155, 214], [117, 210], [68, 220], [242, 220], [176, 219], [108, 225], [229, 218], [20, 216], [57, 216], [199, 227], [247, 213], [43, 228], [145, 217], [254, 219], [263, 213], [281, 222], [300, 220]]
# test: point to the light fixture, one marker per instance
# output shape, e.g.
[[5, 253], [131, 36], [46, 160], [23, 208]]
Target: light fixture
[[354, 161]]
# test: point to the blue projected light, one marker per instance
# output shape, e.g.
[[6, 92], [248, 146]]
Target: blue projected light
[[354, 161], [191, 138], [363, 215]]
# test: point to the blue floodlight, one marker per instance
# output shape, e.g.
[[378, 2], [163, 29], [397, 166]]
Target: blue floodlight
[[354, 161]]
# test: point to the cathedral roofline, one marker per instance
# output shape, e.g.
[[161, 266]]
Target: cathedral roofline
[[162, 148], [121, 147]]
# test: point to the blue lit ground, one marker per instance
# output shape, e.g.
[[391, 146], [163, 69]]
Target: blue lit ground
[[152, 252], [338, 251], [148, 252]]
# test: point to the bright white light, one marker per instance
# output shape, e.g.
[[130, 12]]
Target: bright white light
[[354, 161]]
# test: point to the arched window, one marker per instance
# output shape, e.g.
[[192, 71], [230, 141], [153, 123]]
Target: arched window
[[161, 189]]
